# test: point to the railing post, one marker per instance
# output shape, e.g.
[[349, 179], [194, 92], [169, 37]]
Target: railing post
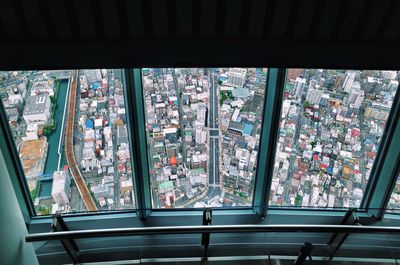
[[338, 239], [69, 245], [205, 237], [305, 252]]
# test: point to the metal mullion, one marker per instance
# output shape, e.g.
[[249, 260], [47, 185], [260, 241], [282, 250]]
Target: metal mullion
[[270, 125], [385, 169], [14, 168], [137, 132]]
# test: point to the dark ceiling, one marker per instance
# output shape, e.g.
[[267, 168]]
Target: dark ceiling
[[134, 33]]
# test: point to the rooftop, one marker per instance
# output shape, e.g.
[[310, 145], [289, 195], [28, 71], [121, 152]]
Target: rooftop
[[31, 152], [36, 104]]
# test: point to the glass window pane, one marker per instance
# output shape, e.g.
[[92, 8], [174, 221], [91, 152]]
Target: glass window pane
[[203, 130], [331, 125], [70, 130]]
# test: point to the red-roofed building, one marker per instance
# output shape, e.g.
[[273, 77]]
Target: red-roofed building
[[355, 133], [323, 166], [173, 160], [371, 155]]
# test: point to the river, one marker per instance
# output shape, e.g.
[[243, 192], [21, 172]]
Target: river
[[54, 138]]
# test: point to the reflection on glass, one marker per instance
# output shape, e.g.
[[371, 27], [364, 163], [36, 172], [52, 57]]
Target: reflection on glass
[[203, 130], [331, 126], [70, 130]]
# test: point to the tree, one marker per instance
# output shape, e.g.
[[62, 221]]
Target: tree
[[298, 200], [46, 131], [118, 122], [34, 192], [42, 210], [49, 127], [223, 97], [307, 104]]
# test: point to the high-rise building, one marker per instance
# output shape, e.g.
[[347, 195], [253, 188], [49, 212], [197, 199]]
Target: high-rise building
[[298, 86], [348, 81], [201, 136], [171, 134], [198, 161], [314, 95], [355, 98], [202, 115], [389, 75], [393, 85], [237, 76], [373, 85], [61, 190]]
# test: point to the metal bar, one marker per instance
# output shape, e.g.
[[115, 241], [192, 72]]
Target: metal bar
[[269, 135], [338, 239], [305, 252], [385, 169], [166, 230], [69, 244], [138, 141], [205, 237]]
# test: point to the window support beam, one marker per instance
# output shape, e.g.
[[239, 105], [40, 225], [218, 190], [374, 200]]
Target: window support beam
[[137, 131], [269, 135], [386, 167]]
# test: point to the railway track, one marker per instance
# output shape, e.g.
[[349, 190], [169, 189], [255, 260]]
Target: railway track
[[69, 148]]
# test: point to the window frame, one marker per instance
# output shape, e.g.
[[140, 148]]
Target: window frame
[[389, 172], [276, 78], [269, 135], [14, 167], [384, 173]]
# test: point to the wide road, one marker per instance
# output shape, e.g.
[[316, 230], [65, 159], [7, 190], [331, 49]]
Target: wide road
[[213, 182], [69, 147]]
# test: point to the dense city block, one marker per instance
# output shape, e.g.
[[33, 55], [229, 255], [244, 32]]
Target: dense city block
[[40, 105], [331, 126], [203, 130]]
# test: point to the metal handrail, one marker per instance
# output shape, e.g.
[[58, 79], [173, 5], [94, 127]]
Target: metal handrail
[[164, 230]]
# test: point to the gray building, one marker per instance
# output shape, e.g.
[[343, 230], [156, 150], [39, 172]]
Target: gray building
[[37, 109]]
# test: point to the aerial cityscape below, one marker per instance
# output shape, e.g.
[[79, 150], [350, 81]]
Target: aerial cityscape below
[[331, 125], [70, 130], [203, 129]]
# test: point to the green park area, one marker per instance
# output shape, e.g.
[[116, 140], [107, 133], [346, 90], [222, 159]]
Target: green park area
[[224, 96], [50, 126]]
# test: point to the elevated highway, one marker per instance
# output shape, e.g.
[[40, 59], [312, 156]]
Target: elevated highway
[[69, 147]]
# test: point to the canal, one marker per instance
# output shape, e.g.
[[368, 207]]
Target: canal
[[54, 138]]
